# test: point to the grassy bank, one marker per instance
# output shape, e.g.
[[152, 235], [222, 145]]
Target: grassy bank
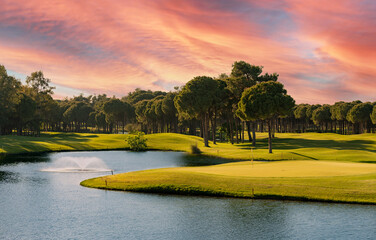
[[294, 180], [343, 174], [307, 146]]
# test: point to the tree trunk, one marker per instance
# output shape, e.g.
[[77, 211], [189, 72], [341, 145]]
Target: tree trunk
[[237, 130], [270, 135], [253, 134], [343, 127], [243, 128], [249, 131], [123, 125], [110, 127], [202, 129], [19, 131], [214, 128], [230, 130], [348, 128], [205, 128]]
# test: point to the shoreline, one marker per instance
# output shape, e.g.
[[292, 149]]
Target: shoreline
[[223, 195], [305, 146], [356, 185], [319, 151]]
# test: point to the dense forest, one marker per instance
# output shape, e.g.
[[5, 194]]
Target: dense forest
[[224, 108]]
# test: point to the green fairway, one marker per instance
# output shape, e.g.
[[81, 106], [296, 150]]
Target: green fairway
[[287, 146], [299, 180], [345, 172], [307, 168]]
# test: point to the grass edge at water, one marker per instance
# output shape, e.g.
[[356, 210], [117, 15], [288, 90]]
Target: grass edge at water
[[341, 189]]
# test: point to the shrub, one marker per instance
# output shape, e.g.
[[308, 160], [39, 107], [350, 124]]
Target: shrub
[[195, 149], [137, 141]]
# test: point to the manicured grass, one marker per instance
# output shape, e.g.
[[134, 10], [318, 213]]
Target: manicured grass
[[310, 179], [49, 142], [287, 146], [307, 168], [297, 180]]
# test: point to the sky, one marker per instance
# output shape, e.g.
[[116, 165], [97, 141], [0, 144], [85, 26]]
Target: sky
[[324, 51]]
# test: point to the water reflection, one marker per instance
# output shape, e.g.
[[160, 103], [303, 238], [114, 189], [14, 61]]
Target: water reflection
[[49, 205], [9, 177], [30, 158]]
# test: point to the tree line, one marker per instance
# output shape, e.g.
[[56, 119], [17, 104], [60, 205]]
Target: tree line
[[224, 108]]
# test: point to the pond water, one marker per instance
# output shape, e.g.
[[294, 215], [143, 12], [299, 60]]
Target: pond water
[[37, 204]]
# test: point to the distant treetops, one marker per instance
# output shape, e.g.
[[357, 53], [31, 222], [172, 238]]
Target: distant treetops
[[222, 108]]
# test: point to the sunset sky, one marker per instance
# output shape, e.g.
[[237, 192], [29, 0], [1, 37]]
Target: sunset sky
[[324, 51]]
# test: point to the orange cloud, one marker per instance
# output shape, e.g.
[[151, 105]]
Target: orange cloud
[[114, 47], [343, 31]]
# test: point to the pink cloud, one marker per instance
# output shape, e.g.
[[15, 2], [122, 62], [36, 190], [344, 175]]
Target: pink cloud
[[115, 47], [343, 31]]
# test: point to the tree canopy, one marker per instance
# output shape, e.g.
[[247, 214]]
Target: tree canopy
[[224, 108], [265, 101], [197, 99]]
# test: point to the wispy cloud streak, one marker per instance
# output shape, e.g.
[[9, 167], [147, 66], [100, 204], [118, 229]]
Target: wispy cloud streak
[[323, 52]]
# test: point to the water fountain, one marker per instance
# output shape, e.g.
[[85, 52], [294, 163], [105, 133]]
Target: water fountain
[[78, 164]]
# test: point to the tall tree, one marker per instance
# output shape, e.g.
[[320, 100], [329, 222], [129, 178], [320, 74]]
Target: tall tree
[[140, 111], [100, 120], [197, 99], [266, 101], [360, 114], [117, 111], [341, 111], [300, 113], [41, 93], [245, 75], [25, 111], [39, 83], [9, 98], [170, 111], [321, 116], [79, 113], [220, 101]]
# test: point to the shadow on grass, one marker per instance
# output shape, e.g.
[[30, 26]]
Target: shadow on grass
[[71, 136], [296, 143], [190, 160], [302, 155], [11, 144]]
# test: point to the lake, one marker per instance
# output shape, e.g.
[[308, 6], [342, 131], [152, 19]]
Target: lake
[[37, 204]]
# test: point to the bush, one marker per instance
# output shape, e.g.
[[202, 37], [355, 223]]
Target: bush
[[195, 149], [137, 141]]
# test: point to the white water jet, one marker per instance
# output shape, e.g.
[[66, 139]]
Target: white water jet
[[78, 164]]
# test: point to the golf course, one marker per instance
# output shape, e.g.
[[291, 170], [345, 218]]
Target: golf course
[[287, 146], [310, 166], [295, 180]]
